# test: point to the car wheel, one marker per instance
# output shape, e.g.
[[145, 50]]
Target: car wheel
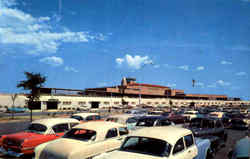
[[210, 154]]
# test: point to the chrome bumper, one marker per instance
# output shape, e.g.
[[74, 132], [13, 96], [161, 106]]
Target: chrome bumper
[[10, 152]]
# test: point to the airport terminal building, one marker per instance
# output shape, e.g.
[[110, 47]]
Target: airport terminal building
[[129, 92]]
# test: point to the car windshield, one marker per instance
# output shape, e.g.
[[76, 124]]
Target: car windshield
[[81, 134], [37, 128], [144, 145], [196, 123], [76, 117], [112, 119], [146, 122]]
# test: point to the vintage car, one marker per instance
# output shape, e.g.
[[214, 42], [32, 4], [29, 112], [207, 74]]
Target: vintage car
[[138, 112], [191, 114], [125, 119], [149, 121], [238, 124], [38, 132], [241, 149], [209, 128], [175, 118], [84, 141], [160, 142], [84, 117]]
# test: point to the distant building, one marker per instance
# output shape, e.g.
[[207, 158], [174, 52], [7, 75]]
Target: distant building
[[128, 93]]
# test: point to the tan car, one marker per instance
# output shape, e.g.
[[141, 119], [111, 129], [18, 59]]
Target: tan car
[[83, 141], [156, 143]]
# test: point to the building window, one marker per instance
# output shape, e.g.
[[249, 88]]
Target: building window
[[116, 102], [133, 102], [156, 102], [106, 103], [66, 103], [81, 103], [149, 103], [163, 102]]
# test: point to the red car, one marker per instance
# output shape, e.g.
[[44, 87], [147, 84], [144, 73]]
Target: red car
[[38, 132]]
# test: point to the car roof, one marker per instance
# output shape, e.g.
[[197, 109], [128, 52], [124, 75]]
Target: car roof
[[84, 115], [98, 125], [167, 133], [154, 117], [54, 121], [122, 118]]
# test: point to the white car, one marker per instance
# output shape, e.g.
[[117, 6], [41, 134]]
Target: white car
[[84, 141], [84, 117], [156, 143], [191, 114]]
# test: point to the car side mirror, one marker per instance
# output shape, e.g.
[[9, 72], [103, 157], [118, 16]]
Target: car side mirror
[[230, 154]]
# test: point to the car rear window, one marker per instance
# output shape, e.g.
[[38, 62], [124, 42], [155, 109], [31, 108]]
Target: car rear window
[[144, 145], [81, 134], [37, 128], [77, 117]]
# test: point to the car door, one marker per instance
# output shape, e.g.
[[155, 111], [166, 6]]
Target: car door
[[60, 129], [112, 140], [190, 146], [179, 150]]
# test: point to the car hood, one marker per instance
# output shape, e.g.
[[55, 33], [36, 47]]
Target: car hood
[[62, 148], [125, 155]]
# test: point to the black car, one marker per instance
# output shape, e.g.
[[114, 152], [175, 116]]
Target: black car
[[209, 128], [238, 124]]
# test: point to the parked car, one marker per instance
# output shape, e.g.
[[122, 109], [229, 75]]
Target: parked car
[[175, 118], [191, 114], [209, 128], [38, 132], [84, 117], [17, 109], [125, 119], [241, 149], [238, 124], [3, 109], [139, 112], [149, 121], [84, 141], [160, 143]]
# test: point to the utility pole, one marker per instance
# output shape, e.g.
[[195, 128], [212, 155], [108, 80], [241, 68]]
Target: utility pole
[[13, 97]]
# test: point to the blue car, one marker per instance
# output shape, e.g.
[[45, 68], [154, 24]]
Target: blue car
[[17, 109], [241, 149]]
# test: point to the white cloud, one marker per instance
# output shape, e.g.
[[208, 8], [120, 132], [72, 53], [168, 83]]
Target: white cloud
[[53, 61], [35, 34], [200, 68], [119, 61], [184, 67], [223, 83], [70, 69], [241, 74], [226, 62], [135, 62], [200, 84]]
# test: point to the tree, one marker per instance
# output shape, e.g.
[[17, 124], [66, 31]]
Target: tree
[[33, 82]]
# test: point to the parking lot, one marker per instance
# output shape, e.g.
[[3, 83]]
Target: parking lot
[[12, 127]]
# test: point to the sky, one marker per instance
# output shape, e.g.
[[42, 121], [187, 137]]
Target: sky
[[80, 44]]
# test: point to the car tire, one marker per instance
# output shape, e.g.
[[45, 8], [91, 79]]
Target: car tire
[[210, 154]]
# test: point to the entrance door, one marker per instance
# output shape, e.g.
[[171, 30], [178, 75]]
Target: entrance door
[[95, 104], [52, 105]]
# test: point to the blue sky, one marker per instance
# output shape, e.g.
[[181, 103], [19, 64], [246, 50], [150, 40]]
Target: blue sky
[[91, 43]]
